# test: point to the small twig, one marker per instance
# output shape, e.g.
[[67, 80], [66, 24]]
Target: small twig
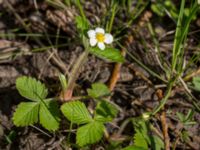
[[164, 122], [41, 131], [116, 73]]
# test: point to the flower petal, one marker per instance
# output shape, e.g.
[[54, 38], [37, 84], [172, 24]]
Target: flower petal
[[99, 30], [101, 45], [93, 41], [91, 33], [108, 38]]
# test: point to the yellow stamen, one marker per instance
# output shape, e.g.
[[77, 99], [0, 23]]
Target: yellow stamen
[[100, 37]]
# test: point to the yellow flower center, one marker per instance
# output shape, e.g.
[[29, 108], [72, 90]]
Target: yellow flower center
[[100, 37]]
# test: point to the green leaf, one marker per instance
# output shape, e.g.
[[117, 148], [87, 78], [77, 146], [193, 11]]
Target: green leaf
[[196, 82], [98, 90], [89, 133], [133, 147], [105, 111], [82, 23], [26, 114], [158, 143], [186, 119], [181, 117], [110, 54], [156, 9], [185, 136], [141, 136], [31, 89], [76, 112], [49, 115], [139, 140]]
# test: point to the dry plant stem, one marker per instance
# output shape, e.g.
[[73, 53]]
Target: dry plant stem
[[42, 131], [165, 130], [116, 73], [164, 122], [67, 94]]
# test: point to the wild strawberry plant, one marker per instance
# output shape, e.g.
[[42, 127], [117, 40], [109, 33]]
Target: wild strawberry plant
[[91, 125], [44, 110]]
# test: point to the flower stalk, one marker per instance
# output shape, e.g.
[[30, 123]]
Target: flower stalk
[[67, 93]]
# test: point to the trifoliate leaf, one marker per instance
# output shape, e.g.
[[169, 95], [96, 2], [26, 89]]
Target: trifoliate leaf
[[133, 147], [105, 111], [76, 112], [31, 89], [109, 54], [49, 115], [98, 90], [26, 114], [89, 133]]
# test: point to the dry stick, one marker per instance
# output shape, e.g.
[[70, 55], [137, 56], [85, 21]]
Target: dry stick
[[67, 94], [56, 60], [116, 73], [164, 122]]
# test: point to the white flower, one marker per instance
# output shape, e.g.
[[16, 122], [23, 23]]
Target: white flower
[[99, 37]]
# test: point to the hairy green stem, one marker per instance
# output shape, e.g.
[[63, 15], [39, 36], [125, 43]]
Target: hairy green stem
[[74, 74]]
